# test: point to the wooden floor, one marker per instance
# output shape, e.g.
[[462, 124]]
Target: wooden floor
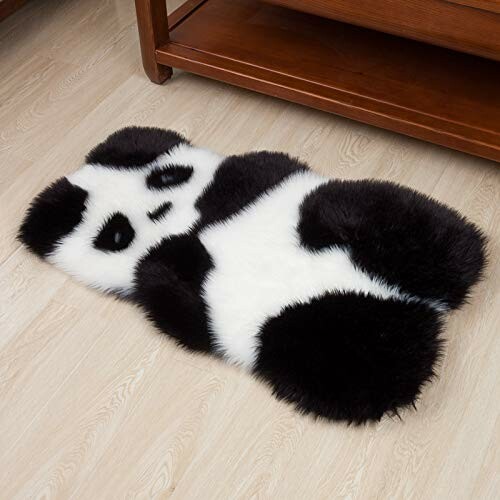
[[94, 404]]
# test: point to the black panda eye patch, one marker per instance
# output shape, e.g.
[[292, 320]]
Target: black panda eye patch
[[115, 235], [168, 176]]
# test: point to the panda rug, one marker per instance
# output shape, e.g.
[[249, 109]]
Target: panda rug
[[332, 292]]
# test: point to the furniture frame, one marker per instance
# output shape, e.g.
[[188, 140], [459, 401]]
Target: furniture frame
[[424, 91]]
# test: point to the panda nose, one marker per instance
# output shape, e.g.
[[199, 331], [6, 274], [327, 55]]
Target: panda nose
[[159, 212]]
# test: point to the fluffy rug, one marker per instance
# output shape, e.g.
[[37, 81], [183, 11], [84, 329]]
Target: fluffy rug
[[332, 292]]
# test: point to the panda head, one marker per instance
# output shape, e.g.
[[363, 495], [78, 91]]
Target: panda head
[[137, 187]]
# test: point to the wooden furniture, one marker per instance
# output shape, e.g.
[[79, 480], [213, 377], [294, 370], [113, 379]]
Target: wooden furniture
[[471, 26], [432, 93]]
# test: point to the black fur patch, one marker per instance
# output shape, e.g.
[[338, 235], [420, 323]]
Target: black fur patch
[[134, 147], [54, 213], [408, 239], [350, 357], [240, 180], [116, 234], [168, 288], [161, 211], [168, 176]]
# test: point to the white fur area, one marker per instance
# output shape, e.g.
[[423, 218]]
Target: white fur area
[[260, 267], [113, 190]]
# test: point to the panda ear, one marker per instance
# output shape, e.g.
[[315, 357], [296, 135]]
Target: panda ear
[[53, 214], [134, 147]]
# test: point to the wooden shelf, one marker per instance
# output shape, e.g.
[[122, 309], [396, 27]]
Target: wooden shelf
[[431, 93]]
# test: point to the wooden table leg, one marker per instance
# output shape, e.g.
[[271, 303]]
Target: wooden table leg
[[153, 32]]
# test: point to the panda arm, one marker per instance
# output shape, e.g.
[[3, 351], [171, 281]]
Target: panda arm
[[168, 287], [398, 234], [240, 180]]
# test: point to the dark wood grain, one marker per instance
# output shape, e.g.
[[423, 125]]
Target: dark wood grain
[[488, 5], [8, 7], [185, 10], [153, 31], [447, 23]]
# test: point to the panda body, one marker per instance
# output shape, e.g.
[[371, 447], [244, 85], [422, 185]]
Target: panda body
[[260, 267], [334, 293]]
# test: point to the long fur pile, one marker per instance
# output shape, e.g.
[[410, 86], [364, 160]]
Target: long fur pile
[[332, 292]]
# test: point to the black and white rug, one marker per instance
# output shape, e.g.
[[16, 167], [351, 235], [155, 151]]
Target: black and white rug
[[333, 292]]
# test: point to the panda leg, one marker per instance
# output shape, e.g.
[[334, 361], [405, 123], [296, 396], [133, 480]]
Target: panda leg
[[168, 287], [350, 357], [408, 239]]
